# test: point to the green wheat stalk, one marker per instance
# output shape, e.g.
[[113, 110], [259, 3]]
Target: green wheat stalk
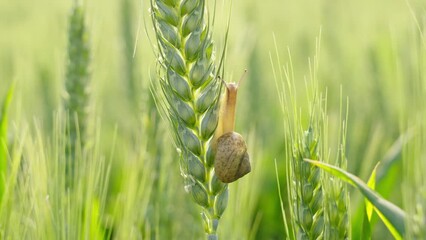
[[77, 84], [413, 115], [319, 204], [190, 93], [336, 194], [307, 191], [128, 39]]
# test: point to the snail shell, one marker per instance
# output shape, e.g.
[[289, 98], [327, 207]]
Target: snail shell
[[232, 160]]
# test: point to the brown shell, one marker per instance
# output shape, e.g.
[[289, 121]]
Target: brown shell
[[232, 160]]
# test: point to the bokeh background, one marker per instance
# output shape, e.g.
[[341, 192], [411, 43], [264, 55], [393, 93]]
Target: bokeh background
[[367, 52]]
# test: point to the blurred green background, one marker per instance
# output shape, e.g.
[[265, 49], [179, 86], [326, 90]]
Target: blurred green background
[[368, 49]]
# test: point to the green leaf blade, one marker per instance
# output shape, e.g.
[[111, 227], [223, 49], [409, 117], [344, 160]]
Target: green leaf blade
[[392, 213], [371, 184]]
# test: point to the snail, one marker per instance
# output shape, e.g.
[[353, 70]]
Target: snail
[[232, 160]]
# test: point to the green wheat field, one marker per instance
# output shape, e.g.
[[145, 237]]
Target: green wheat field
[[117, 119]]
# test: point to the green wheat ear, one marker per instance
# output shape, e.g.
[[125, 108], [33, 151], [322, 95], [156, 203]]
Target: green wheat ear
[[336, 202], [188, 94], [307, 190], [77, 80]]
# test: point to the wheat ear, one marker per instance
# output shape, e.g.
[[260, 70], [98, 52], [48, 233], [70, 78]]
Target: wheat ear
[[307, 191], [76, 84], [190, 92]]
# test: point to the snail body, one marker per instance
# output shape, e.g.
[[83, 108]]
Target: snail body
[[232, 160]]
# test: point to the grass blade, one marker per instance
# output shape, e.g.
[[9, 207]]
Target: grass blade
[[366, 226], [392, 213], [369, 208], [371, 184], [395, 233], [3, 138], [281, 202]]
